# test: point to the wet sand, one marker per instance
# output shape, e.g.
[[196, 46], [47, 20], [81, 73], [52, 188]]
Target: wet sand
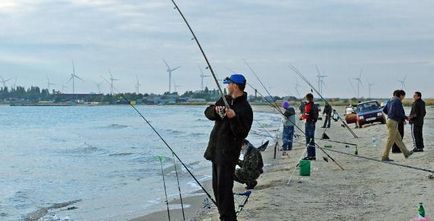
[[365, 190]]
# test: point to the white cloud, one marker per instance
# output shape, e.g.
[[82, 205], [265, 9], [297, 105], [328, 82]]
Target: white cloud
[[130, 37]]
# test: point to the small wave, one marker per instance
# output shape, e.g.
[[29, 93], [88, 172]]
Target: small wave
[[85, 149], [120, 154], [116, 126], [41, 213]]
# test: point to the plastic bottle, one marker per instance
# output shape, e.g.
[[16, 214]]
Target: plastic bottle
[[421, 211]]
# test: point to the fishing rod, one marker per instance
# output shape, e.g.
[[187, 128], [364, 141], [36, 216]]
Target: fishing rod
[[293, 68], [379, 161], [296, 126], [165, 143], [260, 82], [203, 53], [179, 188], [164, 185]]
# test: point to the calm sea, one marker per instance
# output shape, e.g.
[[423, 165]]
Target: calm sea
[[105, 156]]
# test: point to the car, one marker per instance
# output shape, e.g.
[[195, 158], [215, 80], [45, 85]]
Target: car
[[369, 112]]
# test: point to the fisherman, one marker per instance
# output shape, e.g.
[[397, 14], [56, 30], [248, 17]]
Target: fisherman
[[301, 107], [251, 165], [417, 115], [310, 117], [395, 112], [401, 127], [328, 115], [288, 127], [231, 127]]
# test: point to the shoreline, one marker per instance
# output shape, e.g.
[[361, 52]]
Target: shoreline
[[365, 190]]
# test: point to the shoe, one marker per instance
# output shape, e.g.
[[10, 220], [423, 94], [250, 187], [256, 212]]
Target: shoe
[[252, 185], [417, 150], [409, 154], [309, 158], [386, 159]]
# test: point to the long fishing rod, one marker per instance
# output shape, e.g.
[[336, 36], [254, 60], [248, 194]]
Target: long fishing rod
[[379, 161], [179, 188], [293, 68], [296, 126], [260, 82], [166, 144], [203, 54], [165, 188]]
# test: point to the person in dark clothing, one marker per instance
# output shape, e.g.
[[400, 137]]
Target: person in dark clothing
[[395, 148], [231, 127], [310, 117], [288, 128], [251, 165], [395, 112], [417, 115], [328, 115], [401, 124]]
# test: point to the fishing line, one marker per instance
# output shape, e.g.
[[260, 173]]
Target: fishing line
[[379, 161], [296, 126], [165, 143], [164, 185], [293, 68], [179, 188], [203, 54]]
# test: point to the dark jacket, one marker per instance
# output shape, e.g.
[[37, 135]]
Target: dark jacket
[[328, 110], [395, 110], [418, 112], [252, 162], [227, 136]]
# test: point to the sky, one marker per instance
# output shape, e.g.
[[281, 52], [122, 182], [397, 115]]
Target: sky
[[386, 41]]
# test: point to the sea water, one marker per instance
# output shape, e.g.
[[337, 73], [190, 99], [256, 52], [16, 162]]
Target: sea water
[[104, 156]]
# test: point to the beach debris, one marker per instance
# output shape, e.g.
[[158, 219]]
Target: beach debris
[[41, 212], [431, 176], [421, 215]]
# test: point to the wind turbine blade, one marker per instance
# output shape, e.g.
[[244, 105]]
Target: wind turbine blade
[[318, 71], [167, 65], [78, 77], [174, 69]]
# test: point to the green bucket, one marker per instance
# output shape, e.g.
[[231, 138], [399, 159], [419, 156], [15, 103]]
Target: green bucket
[[305, 168]]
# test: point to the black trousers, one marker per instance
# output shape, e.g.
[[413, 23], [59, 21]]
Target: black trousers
[[417, 133], [327, 121], [395, 148], [222, 184]]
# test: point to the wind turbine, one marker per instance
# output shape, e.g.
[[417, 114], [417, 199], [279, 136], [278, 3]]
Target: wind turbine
[[202, 76], [170, 70], [320, 77], [176, 86], [359, 82], [73, 77], [370, 87], [138, 84], [98, 85], [403, 82], [111, 83], [4, 81], [49, 84]]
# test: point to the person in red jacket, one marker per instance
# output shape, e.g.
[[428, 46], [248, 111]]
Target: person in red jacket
[[310, 116]]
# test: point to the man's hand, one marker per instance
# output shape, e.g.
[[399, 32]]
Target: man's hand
[[220, 110], [230, 113]]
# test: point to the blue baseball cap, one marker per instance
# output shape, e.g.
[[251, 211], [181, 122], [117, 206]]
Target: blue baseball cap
[[236, 79]]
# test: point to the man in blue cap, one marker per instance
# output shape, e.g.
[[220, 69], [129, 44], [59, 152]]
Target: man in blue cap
[[231, 127]]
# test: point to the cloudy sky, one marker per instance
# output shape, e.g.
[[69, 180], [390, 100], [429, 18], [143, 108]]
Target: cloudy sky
[[385, 40]]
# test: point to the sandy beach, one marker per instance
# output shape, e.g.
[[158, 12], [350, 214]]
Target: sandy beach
[[365, 190]]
